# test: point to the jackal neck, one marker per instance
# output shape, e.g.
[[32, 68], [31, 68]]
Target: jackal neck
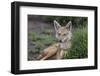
[[65, 45]]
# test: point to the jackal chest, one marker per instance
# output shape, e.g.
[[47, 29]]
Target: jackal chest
[[65, 45]]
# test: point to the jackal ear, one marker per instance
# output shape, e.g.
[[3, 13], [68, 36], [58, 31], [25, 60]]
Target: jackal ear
[[69, 25], [56, 25]]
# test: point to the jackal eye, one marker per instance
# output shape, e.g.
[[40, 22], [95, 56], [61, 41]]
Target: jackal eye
[[58, 33], [64, 34]]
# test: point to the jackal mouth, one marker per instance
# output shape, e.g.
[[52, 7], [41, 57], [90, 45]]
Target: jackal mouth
[[62, 41]]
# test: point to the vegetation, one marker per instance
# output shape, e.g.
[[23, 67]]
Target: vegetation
[[76, 21], [79, 45], [44, 38]]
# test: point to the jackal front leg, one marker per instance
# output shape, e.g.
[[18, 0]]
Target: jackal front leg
[[60, 54]]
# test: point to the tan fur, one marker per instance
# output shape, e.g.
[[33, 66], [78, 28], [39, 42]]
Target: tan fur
[[50, 51]]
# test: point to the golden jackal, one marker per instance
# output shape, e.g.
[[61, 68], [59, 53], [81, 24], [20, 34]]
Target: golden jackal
[[63, 35]]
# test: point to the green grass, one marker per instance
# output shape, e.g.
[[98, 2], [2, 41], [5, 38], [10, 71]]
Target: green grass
[[79, 45], [47, 31], [42, 40]]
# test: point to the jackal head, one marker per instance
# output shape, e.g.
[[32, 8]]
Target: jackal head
[[63, 33]]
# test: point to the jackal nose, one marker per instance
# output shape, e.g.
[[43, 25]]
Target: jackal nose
[[60, 40]]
